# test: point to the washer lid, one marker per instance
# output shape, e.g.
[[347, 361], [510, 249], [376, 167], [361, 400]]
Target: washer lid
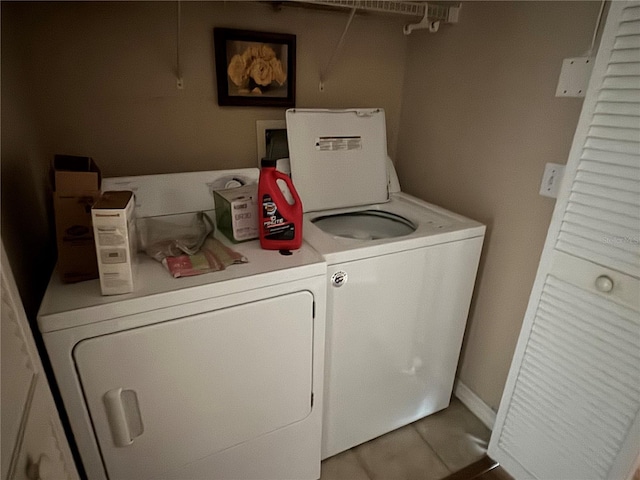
[[338, 157]]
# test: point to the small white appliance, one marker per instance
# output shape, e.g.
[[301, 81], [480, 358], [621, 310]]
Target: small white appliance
[[400, 277], [215, 376]]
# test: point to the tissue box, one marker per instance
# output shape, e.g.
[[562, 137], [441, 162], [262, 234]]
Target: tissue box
[[237, 212], [114, 230], [76, 185]]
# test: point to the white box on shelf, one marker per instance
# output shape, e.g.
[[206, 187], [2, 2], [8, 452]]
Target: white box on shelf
[[115, 236]]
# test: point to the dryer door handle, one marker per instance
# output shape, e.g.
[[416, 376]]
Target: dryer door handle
[[123, 415]]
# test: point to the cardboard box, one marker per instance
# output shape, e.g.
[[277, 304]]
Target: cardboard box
[[114, 230], [237, 212], [76, 185], [73, 173]]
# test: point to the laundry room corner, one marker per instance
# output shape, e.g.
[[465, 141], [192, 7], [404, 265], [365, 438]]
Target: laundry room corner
[[479, 121], [385, 169]]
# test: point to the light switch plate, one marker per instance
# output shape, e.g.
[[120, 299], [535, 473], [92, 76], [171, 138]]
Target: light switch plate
[[574, 77], [551, 180]]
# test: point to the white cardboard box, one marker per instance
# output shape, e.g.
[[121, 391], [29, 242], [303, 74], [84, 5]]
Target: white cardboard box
[[115, 236]]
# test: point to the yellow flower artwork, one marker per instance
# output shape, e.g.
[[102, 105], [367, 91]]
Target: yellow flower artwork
[[256, 69]]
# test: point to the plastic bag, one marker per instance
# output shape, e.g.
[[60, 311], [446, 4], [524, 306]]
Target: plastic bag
[[185, 246], [212, 257], [164, 238]]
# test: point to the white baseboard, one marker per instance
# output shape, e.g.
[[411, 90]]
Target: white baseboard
[[475, 404]]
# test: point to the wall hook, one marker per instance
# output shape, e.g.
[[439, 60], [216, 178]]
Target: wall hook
[[179, 80], [426, 22]]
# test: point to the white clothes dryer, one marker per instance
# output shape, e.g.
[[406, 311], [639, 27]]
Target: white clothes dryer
[[215, 376], [400, 277]]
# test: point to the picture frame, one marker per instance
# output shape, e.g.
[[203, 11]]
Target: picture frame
[[255, 68]]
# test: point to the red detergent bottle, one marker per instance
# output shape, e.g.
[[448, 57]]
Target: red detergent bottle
[[280, 221]]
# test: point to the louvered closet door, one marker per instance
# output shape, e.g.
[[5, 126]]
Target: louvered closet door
[[571, 405], [601, 220]]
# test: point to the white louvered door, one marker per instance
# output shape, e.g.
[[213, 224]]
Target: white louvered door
[[570, 409]]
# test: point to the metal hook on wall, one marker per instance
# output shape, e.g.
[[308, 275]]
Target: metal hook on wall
[[179, 81], [426, 22]]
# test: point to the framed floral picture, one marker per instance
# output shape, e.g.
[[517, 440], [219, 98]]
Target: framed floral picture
[[255, 68]]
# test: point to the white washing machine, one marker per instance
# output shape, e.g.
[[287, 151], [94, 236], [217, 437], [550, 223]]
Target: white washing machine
[[215, 376], [400, 277]]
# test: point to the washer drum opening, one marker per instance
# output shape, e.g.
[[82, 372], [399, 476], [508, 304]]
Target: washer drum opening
[[365, 225]]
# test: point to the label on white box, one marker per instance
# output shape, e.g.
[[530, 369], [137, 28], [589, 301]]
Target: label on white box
[[113, 255], [111, 236]]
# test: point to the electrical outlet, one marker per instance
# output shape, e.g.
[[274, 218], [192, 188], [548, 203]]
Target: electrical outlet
[[551, 180]]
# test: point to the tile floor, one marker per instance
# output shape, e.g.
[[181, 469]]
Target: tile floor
[[430, 449], [483, 469]]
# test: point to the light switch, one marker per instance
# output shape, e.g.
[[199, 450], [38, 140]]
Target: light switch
[[551, 180]]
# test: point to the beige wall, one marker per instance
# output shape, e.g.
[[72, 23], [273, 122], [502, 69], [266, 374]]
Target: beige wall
[[479, 122], [98, 79], [26, 219], [103, 76]]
